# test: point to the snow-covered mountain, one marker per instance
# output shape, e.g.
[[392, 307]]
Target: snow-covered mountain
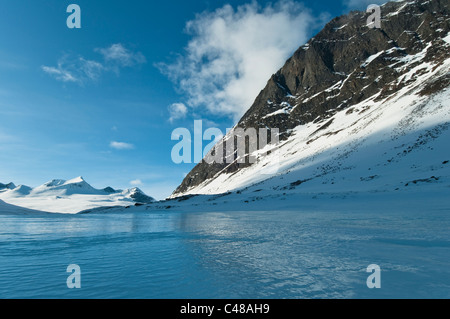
[[359, 110], [72, 196]]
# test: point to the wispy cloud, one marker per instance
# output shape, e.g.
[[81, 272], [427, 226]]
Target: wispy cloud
[[117, 53], [136, 182], [233, 52], [121, 145], [77, 70], [361, 4], [92, 69], [81, 70], [177, 111], [60, 73]]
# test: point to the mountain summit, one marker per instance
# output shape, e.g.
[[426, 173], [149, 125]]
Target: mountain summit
[[348, 86], [74, 186]]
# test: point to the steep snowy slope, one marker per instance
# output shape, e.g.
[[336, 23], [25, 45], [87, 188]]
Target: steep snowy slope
[[393, 144], [358, 110], [72, 196]]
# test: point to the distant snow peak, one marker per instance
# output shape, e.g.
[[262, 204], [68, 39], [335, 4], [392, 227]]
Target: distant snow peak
[[22, 190], [7, 186], [70, 196], [109, 190], [75, 180], [54, 182]]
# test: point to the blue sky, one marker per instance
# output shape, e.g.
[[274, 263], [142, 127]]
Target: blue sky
[[103, 100]]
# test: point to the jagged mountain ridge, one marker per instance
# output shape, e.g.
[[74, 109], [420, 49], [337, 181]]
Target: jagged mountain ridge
[[70, 187], [343, 65], [70, 196], [7, 186]]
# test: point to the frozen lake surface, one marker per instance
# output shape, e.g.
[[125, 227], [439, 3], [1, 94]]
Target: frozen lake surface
[[274, 254]]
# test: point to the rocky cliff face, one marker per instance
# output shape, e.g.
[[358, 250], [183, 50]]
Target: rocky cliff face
[[345, 63]]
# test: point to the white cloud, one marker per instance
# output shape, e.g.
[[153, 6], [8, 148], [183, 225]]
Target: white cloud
[[361, 4], [91, 69], [80, 70], [117, 53], [177, 111], [233, 52], [121, 145], [60, 73], [136, 182]]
